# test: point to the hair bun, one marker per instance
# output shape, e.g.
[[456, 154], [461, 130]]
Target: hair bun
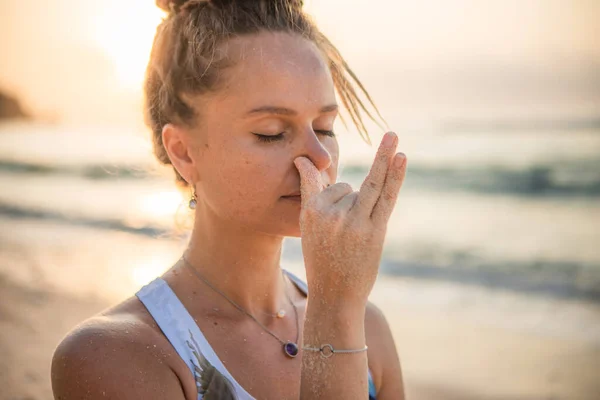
[[175, 5], [171, 5]]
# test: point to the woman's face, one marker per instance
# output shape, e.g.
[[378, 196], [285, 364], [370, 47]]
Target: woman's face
[[276, 103]]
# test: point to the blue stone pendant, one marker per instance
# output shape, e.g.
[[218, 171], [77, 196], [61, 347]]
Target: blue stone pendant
[[290, 349]]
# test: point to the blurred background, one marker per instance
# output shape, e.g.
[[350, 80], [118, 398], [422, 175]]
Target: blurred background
[[490, 277]]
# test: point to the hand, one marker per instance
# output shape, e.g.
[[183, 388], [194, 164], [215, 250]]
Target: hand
[[343, 231]]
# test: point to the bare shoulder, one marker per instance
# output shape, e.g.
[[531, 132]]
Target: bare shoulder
[[384, 361], [117, 354]]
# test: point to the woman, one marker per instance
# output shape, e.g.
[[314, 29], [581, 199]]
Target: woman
[[241, 101]]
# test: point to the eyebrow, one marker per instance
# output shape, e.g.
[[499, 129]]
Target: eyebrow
[[288, 111]]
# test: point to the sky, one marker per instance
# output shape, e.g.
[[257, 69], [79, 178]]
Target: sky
[[82, 61]]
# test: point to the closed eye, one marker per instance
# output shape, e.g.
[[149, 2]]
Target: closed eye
[[279, 136], [268, 138], [325, 132]]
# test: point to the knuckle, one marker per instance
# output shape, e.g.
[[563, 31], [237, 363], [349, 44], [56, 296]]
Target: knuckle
[[336, 214], [320, 210], [312, 209], [344, 187], [332, 213], [389, 195], [358, 228], [369, 186]]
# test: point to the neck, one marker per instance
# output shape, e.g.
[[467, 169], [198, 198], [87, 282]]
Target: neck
[[242, 263]]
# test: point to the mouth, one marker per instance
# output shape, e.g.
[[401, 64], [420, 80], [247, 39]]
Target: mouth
[[297, 197]]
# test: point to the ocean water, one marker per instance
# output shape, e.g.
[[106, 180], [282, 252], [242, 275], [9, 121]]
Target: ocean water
[[507, 209]]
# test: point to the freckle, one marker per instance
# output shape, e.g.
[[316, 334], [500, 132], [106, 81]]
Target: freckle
[[216, 323], [206, 145]]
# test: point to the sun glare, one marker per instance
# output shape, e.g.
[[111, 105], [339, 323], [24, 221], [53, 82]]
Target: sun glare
[[161, 204], [124, 30], [146, 271]]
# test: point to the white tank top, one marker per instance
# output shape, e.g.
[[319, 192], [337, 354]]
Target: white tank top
[[213, 380]]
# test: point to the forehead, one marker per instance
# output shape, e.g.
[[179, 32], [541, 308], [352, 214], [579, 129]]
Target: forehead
[[277, 69]]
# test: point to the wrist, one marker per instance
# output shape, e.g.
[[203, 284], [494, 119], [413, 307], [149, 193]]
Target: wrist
[[335, 310], [341, 330], [324, 321], [330, 301]]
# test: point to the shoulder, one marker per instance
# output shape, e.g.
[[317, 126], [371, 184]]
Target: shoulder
[[119, 355], [384, 361]]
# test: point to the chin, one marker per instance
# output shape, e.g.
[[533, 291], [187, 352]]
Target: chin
[[289, 229], [279, 222], [286, 227], [295, 233]]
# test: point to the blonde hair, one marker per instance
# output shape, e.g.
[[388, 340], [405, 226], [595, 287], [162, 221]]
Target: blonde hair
[[183, 58]]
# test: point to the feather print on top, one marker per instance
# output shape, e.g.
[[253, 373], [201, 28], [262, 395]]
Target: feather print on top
[[211, 383]]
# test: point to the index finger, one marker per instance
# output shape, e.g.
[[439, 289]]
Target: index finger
[[310, 179]]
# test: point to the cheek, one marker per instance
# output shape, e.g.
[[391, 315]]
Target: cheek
[[246, 176]]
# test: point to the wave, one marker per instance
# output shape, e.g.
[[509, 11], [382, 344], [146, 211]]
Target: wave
[[555, 279], [543, 277], [16, 212], [90, 171], [564, 125], [564, 178], [551, 278]]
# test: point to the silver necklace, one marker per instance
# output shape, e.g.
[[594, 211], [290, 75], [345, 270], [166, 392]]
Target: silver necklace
[[289, 348]]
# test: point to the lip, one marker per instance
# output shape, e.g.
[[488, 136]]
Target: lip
[[293, 198]]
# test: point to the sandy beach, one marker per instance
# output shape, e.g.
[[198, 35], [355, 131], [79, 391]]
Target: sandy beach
[[490, 270], [455, 341]]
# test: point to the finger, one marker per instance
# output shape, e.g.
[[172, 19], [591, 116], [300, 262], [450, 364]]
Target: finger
[[334, 193], [310, 179], [393, 182], [347, 202], [371, 188]]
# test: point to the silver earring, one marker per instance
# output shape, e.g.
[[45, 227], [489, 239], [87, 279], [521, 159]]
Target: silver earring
[[193, 199]]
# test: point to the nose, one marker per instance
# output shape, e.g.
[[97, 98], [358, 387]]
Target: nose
[[314, 150]]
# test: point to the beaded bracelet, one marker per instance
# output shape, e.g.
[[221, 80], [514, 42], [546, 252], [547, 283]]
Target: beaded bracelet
[[331, 351]]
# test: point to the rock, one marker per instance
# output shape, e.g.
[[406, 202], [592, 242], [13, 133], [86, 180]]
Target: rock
[[11, 108]]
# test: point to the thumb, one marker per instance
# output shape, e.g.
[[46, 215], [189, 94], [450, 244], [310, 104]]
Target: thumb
[[310, 179]]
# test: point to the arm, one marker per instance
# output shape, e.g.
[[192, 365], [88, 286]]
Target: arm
[[342, 239], [101, 360], [387, 372], [342, 376]]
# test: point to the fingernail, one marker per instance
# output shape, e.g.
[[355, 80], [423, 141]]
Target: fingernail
[[389, 139], [399, 159]]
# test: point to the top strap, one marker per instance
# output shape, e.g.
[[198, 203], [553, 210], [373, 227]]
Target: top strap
[[190, 343]]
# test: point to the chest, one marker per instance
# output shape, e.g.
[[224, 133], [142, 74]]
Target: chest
[[255, 358]]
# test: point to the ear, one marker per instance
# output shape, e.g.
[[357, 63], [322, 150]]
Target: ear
[[178, 144]]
